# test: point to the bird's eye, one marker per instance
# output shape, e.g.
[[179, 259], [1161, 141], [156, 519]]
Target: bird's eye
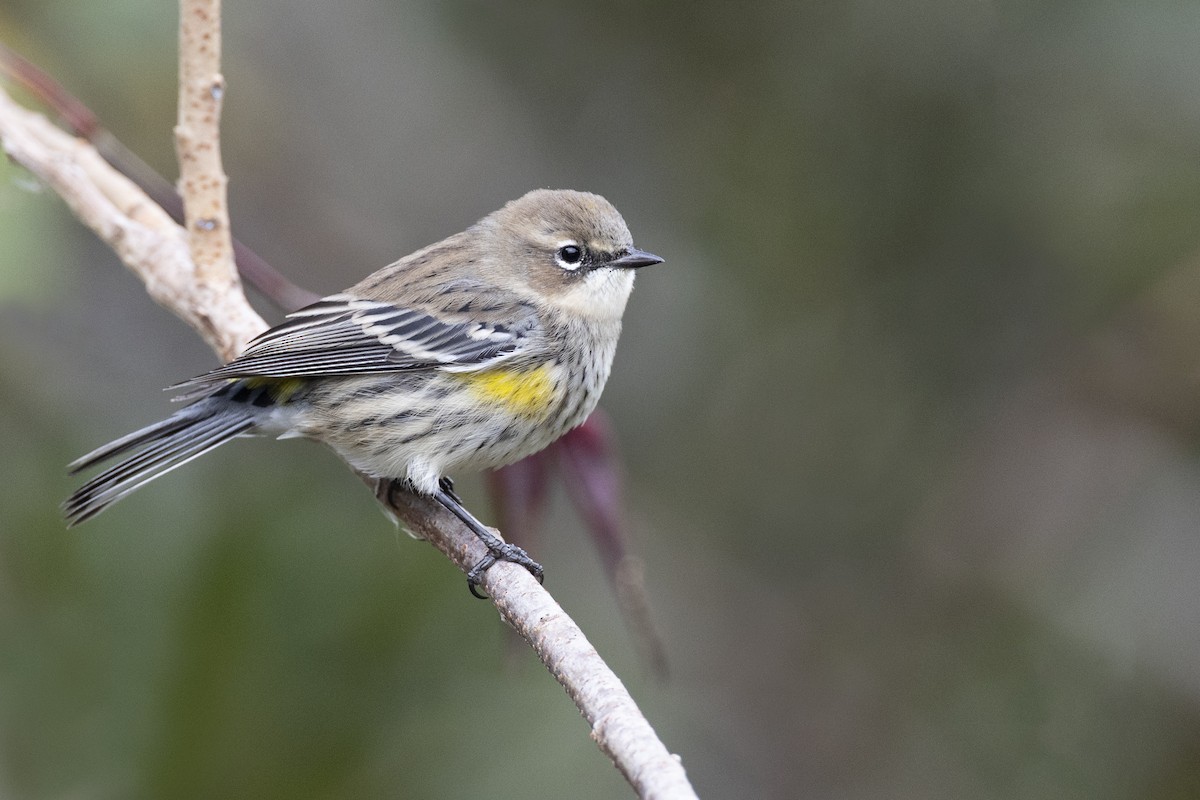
[[569, 256]]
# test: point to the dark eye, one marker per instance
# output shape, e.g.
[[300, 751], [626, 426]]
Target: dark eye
[[569, 256]]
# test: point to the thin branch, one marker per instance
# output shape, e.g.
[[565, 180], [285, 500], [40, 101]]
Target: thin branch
[[618, 726], [72, 113], [155, 248], [202, 180], [142, 234], [82, 121]]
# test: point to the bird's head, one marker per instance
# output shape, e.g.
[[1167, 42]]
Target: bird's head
[[572, 249]]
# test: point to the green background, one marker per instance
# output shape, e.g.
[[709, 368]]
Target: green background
[[909, 417]]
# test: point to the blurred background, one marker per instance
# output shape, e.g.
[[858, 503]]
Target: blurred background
[[910, 417]]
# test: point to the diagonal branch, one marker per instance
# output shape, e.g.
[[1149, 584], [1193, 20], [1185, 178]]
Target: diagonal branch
[[139, 231], [618, 727], [83, 122]]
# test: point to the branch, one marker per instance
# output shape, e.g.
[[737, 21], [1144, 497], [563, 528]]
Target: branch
[[143, 236], [211, 301], [202, 180], [618, 726], [83, 122]]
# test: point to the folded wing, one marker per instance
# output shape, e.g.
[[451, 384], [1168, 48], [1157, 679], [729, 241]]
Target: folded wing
[[343, 335]]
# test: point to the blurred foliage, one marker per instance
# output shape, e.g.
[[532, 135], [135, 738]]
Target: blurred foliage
[[910, 414]]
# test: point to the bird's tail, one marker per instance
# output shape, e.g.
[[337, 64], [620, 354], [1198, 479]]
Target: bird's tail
[[186, 434]]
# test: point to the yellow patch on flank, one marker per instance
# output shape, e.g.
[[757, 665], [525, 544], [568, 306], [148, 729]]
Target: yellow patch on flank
[[529, 393]]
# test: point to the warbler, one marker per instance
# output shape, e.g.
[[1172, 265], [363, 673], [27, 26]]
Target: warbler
[[470, 353]]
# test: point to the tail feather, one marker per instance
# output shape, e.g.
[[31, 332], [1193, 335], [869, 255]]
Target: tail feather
[[128, 442], [189, 433]]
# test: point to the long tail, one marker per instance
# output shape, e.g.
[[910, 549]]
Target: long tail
[[186, 434]]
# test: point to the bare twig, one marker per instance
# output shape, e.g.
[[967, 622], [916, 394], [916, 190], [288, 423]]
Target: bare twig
[[140, 232], [78, 118], [618, 727], [211, 301], [202, 180], [83, 122]]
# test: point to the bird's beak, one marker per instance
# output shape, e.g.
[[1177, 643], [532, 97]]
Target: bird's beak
[[634, 259]]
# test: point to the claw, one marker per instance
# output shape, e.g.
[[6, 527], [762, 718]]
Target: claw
[[502, 551], [475, 576]]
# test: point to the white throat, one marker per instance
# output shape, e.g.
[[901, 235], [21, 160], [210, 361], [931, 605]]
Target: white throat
[[601, 295]]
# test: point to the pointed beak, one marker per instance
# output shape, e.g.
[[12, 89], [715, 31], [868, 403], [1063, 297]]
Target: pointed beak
[[634, 259]]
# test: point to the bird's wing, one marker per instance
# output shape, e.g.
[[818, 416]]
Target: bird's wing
[[344, 335]]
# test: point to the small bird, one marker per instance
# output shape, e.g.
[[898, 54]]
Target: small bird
[[468, 354]]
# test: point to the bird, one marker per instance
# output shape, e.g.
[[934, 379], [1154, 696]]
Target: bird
[[470, 353]]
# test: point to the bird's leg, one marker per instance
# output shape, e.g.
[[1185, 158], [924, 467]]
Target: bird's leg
[[498, 550], [447, 485]]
